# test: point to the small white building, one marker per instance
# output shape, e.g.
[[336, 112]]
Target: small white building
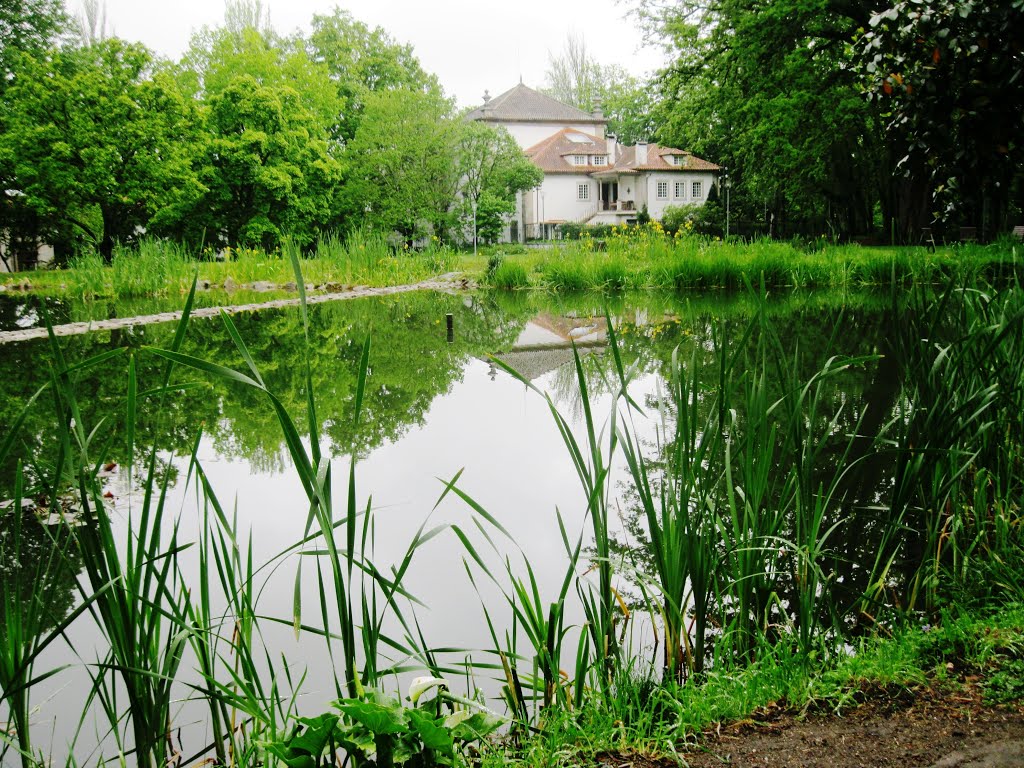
[[589, 178]]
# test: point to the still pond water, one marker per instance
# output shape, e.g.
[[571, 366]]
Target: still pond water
[[434, 406]]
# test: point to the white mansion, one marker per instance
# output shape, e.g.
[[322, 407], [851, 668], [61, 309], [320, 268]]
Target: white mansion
[[588, 176]]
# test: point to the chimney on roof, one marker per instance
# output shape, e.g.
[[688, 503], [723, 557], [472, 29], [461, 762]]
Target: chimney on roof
[[487, 96], [598, 112], [613, 147], [641, 153]]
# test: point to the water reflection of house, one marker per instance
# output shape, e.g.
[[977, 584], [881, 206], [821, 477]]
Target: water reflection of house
[[546, 342]]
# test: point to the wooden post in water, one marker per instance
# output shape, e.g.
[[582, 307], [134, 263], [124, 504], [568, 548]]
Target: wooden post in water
[[449, 321]]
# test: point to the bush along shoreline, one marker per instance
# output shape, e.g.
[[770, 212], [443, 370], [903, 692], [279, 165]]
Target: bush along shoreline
[[734, 559]]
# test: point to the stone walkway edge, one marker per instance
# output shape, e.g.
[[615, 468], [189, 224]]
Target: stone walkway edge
[[446, 282]]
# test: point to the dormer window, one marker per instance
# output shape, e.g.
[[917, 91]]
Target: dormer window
[[579, 159], [600, 160]]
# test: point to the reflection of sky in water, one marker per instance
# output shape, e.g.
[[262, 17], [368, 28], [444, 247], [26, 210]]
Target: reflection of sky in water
[[503, 437], [485, 423]]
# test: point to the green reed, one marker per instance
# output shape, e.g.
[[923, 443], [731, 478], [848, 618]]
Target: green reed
[[679, 507], [132, 585], [152, 268], [742, 498], [30, 609], [359, 595], [958, 446], [543, 621]]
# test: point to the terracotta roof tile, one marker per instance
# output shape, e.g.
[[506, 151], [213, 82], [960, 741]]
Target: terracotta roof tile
[[656, 160], [553, 154]]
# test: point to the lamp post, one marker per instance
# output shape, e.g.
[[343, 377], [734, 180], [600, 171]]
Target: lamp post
[[727, 185]]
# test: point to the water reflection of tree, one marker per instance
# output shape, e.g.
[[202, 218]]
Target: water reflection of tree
[[863, 397], [38, 571], [411, 364]]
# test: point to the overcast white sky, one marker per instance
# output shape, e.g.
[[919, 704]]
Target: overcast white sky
[[471, 45]]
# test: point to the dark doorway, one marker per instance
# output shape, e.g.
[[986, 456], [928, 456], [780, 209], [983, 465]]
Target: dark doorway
[[609, 195]]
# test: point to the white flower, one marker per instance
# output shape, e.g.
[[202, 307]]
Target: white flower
[[421, 685]]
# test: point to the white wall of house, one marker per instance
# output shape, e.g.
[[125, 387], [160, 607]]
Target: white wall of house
[[528, 134], [558, 199], [678, 190], [45, 258]]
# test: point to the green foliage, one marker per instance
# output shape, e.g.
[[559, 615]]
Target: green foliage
[[492, 170], [768, 92], [27, 27], [707, 219], [273, 173], [94, 129], [401, 171], [268, 162], [506, 273], [361, 61], [573, 231], [944, 75], [377, 730], [1006, 684]]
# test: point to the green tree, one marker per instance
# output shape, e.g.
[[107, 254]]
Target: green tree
[[767, 90], [270, 165], [98, 141], [27, 28], [269, 170], [360, 61], [628, 102], [401, 166], [493, 170], [575, 77], [946, 76]]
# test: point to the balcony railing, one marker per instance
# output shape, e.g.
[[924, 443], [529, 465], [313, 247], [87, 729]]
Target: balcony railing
[[617, 205]]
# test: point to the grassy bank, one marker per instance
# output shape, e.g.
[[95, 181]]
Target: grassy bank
[[653, 260], [637, 259], [734, 558], [649, 718], [157, 268]]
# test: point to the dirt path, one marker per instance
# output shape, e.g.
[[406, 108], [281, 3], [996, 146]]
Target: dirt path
[[924, 729], [447, 282]]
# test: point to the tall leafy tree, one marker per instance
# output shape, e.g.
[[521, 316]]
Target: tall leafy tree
[[363, 60], [401, 169], [270, 166], [28, 28], [492, 171], [269, 170], [948, 77], [99, 142], [765, 89]]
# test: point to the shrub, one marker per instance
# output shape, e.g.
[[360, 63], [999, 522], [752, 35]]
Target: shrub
[[508, 274]]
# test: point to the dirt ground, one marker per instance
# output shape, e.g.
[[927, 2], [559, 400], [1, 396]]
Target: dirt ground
[[921, 728]]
